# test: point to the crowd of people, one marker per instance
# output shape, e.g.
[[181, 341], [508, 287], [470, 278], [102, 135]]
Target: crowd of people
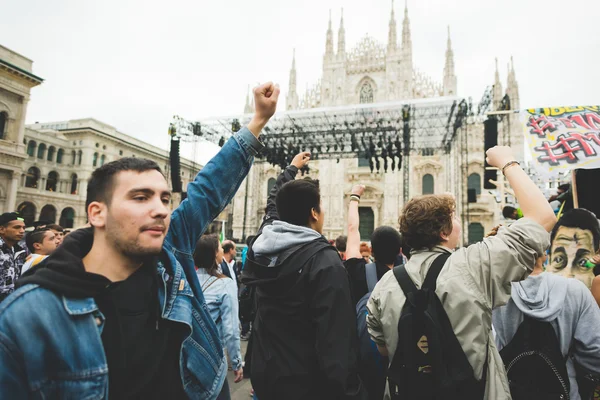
[[141, 304]]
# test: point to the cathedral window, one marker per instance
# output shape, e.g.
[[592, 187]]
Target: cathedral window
[[3, 123], [427, 184], [476, 232], [366, 93], [474, 182]]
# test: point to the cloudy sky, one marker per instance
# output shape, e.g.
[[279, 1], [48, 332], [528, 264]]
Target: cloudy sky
[[134, 64]]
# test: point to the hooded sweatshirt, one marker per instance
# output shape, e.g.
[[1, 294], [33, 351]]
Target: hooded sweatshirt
[[304, 335], [570, 308], [132, 319], [281, 236]]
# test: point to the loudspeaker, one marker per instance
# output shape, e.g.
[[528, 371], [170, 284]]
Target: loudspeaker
[[490, 139], [472, 195], [175, 166]]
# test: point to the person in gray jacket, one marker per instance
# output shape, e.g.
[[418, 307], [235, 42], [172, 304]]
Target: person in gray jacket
[[569, 307], [474, 279]]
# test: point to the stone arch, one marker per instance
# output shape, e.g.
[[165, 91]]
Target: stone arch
[[27, 211], [79, 157], [52, 181], [32, 178], [59, 156], [31, 148], [41, 152], [51, 151], [67, 218], [74, 184], [95, 160], [3, 124], [102, 160], [48, 213]]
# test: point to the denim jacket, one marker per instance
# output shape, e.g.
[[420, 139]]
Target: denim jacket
[[222, 302], [50, 345]]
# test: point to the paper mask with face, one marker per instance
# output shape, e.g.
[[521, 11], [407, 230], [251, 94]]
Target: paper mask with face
[[575, 240]]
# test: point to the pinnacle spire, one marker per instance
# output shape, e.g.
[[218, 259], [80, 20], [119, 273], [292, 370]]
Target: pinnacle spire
[[449, 74], [292, 96], [498, 92], [342, 36], [392, 36], [329, 40]]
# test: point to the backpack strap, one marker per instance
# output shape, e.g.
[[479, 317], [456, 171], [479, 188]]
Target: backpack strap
[[371, 274], [434, 271], [407, 285]]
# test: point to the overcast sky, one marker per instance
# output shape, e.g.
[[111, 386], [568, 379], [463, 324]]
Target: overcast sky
[[134, 64]]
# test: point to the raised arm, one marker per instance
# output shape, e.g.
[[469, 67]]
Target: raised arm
[[531, 199], [288, 174], [353, 243], [219, 180]]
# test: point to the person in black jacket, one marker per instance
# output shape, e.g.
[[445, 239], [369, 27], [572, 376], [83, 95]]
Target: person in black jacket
[[304, 334]]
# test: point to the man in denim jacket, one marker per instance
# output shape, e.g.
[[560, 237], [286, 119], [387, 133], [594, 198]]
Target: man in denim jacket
[[118, 310]]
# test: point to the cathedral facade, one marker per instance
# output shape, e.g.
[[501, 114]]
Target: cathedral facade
[[374, 73]]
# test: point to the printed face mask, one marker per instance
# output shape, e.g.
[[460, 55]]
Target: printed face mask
[[570, 251]]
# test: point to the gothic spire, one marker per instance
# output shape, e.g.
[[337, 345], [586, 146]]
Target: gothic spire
[[291, 100], [392, 36], [341, 37], [449, 74], [406, 40], [329, 42], [512, 87], [498, 92], [247, 107]]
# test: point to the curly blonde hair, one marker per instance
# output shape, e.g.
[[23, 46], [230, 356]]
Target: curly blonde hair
[[425, 218]]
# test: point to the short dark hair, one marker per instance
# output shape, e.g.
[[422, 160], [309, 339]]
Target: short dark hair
[[35, 236], [228, 245], [205, 254], [341, 242], [55, 227], [9, 217], [508, 212], [386, 243], [101, 184], [296, 199], [425, 218], [579, 218]]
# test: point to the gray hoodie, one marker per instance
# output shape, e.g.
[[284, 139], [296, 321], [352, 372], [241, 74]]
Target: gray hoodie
[[568, 305], [280, 236]]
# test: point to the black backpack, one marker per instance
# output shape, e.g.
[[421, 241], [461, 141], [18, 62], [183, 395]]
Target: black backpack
[[429, 362], [534, 363], [372, 366]]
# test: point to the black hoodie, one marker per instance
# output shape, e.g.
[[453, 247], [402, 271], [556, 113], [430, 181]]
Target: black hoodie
[[132, 319]]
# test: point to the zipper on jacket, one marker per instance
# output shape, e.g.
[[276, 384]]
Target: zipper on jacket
[[567, 395]]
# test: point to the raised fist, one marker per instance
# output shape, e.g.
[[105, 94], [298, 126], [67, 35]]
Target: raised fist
[[499, 156], [265, 100], [301, 159]]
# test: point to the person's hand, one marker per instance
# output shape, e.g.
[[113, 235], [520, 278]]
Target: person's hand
[[596, 259], [301, 159], [494, 231], [358, 190], [499, 156], [265, 104], [239, 375]]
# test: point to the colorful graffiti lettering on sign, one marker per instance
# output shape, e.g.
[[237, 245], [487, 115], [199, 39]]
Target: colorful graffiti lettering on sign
[[563, 138]]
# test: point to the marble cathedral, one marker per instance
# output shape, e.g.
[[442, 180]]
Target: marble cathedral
[[372, 72]]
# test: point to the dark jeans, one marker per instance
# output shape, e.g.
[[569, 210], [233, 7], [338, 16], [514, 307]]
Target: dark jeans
[[224, 395], [245, 328]]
